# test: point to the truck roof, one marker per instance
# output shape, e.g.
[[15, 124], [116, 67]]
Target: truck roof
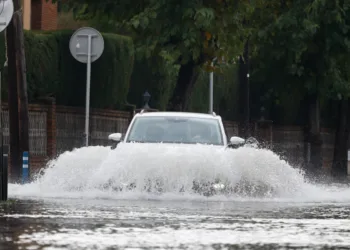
[[179, 114]]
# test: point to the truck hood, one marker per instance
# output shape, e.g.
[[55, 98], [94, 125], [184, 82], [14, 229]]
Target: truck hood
[[170, 146], [169, 153]]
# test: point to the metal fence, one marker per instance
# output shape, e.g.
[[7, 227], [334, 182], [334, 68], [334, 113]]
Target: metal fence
[[70, 129], [102, 126], [37, 131], [287, 141]]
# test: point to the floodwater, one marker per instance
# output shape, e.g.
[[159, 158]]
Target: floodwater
[[75, 203]]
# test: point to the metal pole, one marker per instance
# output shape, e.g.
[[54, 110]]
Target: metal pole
[[2, 182], [1, 133], [348, 166], [211, 91], [4, 171], [88, 92], [25, 167]]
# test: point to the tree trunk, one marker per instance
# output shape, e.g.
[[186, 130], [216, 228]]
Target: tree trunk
[[186, 80], [18, 100], [314, 166], [244, 93], [340, 155]]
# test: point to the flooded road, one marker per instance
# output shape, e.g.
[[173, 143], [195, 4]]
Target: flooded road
[[156, 224], [74, 204]]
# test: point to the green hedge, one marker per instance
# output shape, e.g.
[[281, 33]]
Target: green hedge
[[51, 70], [115, 79], [110, 74], [42, 64]]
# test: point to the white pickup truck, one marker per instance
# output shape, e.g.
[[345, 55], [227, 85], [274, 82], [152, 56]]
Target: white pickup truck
[[185, 130]]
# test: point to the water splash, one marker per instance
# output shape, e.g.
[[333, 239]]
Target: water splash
[[99, 171]]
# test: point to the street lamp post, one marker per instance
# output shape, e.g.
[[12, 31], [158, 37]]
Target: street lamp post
[[211, 89], [145, 107]]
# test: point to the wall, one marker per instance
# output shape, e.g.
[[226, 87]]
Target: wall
[[43, 15], [27, 14], [56, 129], [49, 15]]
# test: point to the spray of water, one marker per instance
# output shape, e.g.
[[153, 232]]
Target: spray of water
[[173, 171]]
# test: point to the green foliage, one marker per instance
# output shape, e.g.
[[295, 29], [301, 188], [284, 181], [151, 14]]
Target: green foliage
[[178, 31], [41, 64], [303, 50], [110, 74], [115, 80], [308, 41], [51, 70]]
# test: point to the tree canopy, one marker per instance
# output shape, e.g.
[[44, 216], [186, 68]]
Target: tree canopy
[[307, 46], [180, 31], [188, 33]]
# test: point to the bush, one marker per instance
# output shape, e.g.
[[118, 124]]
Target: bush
[[110, 74], [41, 64], [52, 70]]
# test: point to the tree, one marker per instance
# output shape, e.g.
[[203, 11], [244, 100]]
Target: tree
[[309, 43], [260, 18], [189, 33]]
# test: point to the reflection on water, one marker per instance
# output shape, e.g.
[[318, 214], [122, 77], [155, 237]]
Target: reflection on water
[[108, 224]]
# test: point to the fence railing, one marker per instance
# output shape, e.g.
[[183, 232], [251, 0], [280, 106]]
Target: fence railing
[[55, 129]]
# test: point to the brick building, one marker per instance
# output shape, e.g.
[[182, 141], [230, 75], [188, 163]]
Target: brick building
[[39, 15]]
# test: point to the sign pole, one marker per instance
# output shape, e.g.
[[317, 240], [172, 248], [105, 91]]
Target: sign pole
[[88, 80], [2, 183], [86, 46], [211, 91]]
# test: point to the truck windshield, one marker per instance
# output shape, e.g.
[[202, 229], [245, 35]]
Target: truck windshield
[[176, 130]]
